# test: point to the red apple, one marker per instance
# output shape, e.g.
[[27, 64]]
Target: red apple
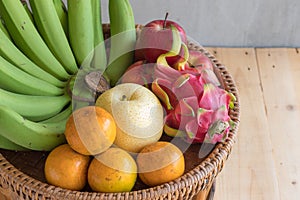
[[160, 25], [140, 73], [156, 38]]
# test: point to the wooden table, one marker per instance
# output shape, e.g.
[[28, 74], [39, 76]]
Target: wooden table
[[265, 161]]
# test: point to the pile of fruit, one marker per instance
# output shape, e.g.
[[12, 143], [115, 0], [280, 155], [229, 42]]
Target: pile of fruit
[[100, 107], [99, 152]]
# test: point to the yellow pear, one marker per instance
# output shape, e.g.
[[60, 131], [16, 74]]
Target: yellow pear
[[138, 115]]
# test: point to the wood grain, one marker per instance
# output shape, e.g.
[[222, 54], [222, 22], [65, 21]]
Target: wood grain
[[280, 77], [250, 172]]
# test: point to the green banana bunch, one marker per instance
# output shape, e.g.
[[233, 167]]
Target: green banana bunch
[[81, 31], [123, 38], [62, 13], [35, 108], [16, 80], [28, 134], [40, 56], [12, 54], [48, 24], [32, 80], [27, 38]]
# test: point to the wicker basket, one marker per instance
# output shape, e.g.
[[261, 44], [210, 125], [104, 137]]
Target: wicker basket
[[21, 173]]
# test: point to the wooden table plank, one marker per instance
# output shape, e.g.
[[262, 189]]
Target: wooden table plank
[[280, 77], [249, 173]]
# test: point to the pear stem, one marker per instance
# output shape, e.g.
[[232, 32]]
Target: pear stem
[[124, 97], [165, 21]]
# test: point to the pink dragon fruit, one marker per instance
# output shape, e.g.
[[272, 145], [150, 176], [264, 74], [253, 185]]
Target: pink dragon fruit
[[204, 118]]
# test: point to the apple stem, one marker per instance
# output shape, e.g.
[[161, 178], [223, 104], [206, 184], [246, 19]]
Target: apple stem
[[165, 21]]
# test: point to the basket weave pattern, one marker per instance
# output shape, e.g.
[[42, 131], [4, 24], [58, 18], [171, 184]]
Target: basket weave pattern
[[17, 185]]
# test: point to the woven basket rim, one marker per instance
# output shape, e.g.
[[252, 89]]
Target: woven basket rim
[[199, 177]]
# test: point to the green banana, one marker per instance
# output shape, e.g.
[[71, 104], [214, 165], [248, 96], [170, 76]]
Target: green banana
[[27, 38], [99, 60], [35, 108], [9, 145], [11, 53], [48, 25], [123, 38], [16, 80], [28, 11], [62, 13], [3, 28], [28, 134], [61, 116], [81, 33]]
